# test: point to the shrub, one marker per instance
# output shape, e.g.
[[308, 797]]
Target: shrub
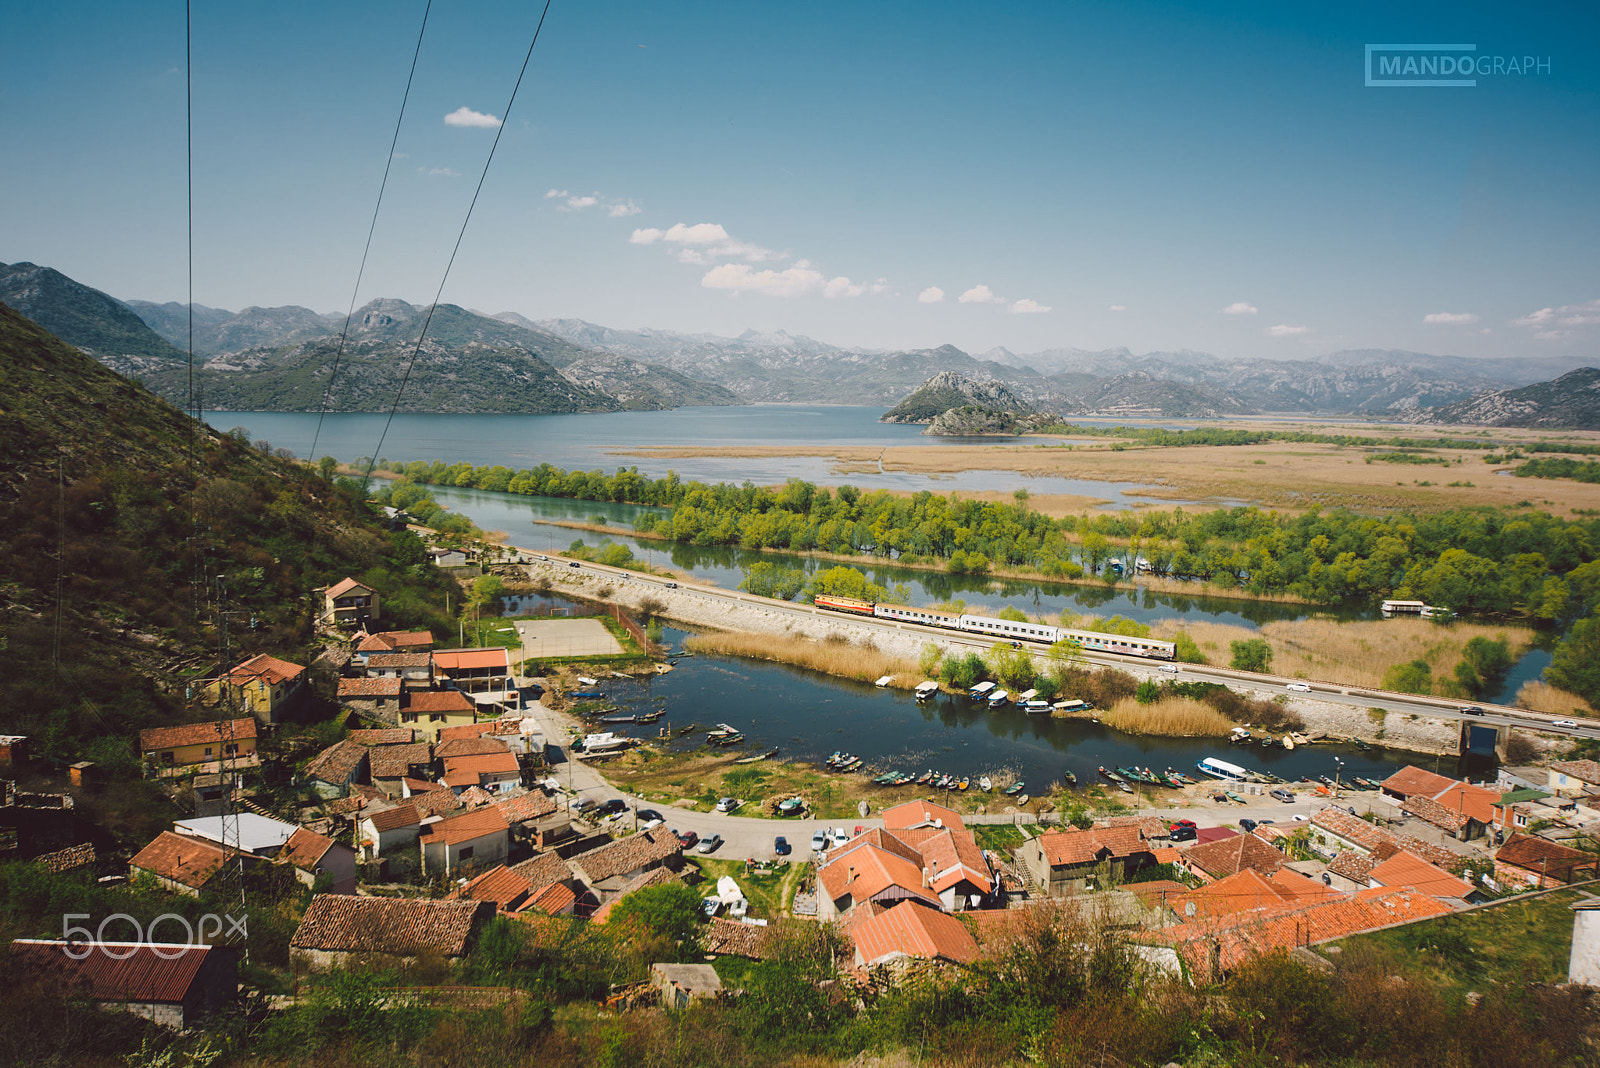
[[1251, 654]]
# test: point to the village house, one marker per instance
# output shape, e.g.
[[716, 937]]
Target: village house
[[387, 830], [682, 984], [1061, 862], [378, 696], [1334, 831], [552, 888], [414, 670], [180, 864], [498, 773], [264, 686], [1247, 890], [876, 868], [391, 641], [475, 671], [251, 832], [609, 868], [315, 856], [480, 838], [370, 736], [1574, 778], [337, 927], [1461, 810], [392, 763], [199, 744], [175, 985], [332, 772], [1530, 861], [35, 823], [349, 603], [1412, 781], [1229, 856], [909, 930], [435, 710], [1515, 811], [1408, 869]]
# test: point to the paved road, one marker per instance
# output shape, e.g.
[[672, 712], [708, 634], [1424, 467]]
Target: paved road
[[1493, 715]]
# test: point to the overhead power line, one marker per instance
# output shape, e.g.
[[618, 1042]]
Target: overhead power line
[[412, 362]]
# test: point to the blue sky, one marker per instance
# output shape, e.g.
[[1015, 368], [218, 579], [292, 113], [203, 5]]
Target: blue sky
[[1159, 176]]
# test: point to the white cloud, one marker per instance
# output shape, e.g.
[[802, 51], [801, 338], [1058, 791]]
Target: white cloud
[[648, 235], [1449, 318], [619, 209], [1547, 320], [980, 295], [880, 286], [465, 116], [1117, 307], [711, 239], [1239, 307], [931, 295], [1026, 306], [579, 203], [443, 172], [552, 194], [738, 277], [842, 287], [1282, 330]]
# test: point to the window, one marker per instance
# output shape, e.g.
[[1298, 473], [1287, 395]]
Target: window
[[436, 717], [208, 750], [231, 750], [466, 853]]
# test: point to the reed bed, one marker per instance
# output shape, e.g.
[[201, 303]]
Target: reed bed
[[844, 659], [1543, 697], [1352, 654], [1171, 717]]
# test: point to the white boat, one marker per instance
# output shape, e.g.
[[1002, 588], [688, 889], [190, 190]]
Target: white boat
[[1071, 706], [587, 681], [1036, 707], [1221, 769], [1026, 695], [605, 742], [884, 681], [926, 689], [980, 690], [986, 784], [998, 698]]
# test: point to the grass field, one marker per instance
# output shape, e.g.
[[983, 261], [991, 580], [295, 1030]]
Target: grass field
[[1517, 942], [769, 891], [844, 659], [1171, 717], [1543, 697]]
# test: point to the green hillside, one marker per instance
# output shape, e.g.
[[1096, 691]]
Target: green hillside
[[99, 324]]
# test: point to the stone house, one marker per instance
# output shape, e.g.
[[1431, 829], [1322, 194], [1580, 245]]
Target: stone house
[[379, 697], [1531, 861], [480, 838], [337, 927], [313, 855], [1059, 862], [181, 864], [1574, 778], [333, 771], [609, 868], [414, 670], [175, 985]]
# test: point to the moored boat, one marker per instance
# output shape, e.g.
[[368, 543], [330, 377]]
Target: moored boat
[[1014, 789], [998, 698], [1071, 777], [985, 784], [926, 689], [789, 806], [980, 691]]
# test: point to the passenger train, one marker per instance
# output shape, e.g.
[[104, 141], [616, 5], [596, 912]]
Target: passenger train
[[1007, 629]]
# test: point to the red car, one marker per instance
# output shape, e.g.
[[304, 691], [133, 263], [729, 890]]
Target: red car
[[687, 838]]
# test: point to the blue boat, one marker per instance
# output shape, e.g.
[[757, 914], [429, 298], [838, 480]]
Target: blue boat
[[587, 695]]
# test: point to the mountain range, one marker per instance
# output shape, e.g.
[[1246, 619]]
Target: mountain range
[[1571, 402], [281, 359]]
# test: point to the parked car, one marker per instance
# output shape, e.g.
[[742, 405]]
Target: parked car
[[709, 845], [574, 564], [819, 842], [612, 807], [1182, 834], [1300, 817], [584, 804], [1563, 723], [1247, 825], [1298, 687], [780, 846], [840, 836], [710, 907], [686, 838], [542, 556], [672, 585], [1471, 710], [727, 804], [649, 817], [1286, 796]]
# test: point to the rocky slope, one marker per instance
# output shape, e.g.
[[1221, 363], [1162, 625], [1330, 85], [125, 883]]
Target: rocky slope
[[1571, 402], [100, 325], [949, 389]]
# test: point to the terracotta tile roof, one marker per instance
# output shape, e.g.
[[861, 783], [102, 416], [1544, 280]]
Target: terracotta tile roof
[[901, 843], [1152, 826], [625, 855], [380, 661], [305, 848], [1233, 855], [488, 764], [1157, 892], [143, 973], [1474, 801], [460, 747], [357, 688], [1167, 854], [344, 586], [434, 802], [268, 669], [190, 861], [1430, 811], [552, 900], [543, 870], [461, 777], [953, 856], [439, 701], [465, 827], [345, 806], [392, 640], [383, 735], [393, 761], [392, 819], [468, 659], [1065, 848], [730, 938], [469, 730], [473, 796], [916, 931], [1543, 857], [530, 806], [1408, 869], [1583, 770], [1354, 866], [500, 885], [337, 764], [1411, 780], [912, 813], [344, 923], [210, 732], [67, 859], [1378, 841], [866, 872]]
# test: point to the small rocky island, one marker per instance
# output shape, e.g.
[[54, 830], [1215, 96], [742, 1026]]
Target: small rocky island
[[954, 405]]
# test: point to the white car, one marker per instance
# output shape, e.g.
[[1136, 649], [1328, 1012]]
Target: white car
[[840, 836], [1298, 687], [1564, 723], [1170, 669], [819, 842]]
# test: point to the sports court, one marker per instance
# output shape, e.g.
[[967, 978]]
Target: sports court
[[566, 637]]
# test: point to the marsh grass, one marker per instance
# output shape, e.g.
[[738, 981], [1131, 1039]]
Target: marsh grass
[[1172, 717], [834, 657], [1543, 697], [1351, 654]]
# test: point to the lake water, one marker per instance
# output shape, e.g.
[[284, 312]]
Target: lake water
[[591, 441], [809, 716]]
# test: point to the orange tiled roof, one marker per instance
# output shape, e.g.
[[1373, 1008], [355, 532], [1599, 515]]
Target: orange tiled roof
[[344, 586], [392, 819], [439, 701], [1376, 840], [1354, 866], [1408, 869], [434, 801], [468, 730], [357, 688], [1231, 855], [628, 854], [1063, 848], [393, 761], [531, 806], [392, 640], [304, 848], [211, 732], [901, 843], [1430, 811], [190, 861], [953, 856], [460, 747], [866, 872], [913, 813], [384, 735], [507, 889], [553, 899], [344, 923], [338, 763], [467, 659], [916, 931], [1474, 801], [1540, 856], [465, 827], [268, 669], [486, 764], [1411, 780], [473, 796]]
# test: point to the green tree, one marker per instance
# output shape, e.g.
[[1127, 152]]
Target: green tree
[[1148, 692], [1575, 666], [1186, 651], [1250, 654], [1013, 667], [1414, 677], [766, 579], [1013, 615], [669, 912], [616, 555], [326, 467], [928, 660]]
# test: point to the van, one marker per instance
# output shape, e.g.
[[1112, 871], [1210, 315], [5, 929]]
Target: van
[[1284, 795]]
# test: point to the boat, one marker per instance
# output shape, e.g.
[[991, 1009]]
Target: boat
[[1363, 746], [1026, 695], [1288, 741], [1221, 769], [985, 784], [1179, 778], [605, 742], [834, 759], [1231, 796], [649, 717], [591, 713], [1069, 707], [1107, 774], [1124, 787], [1072, 778], [789, 806], [926, 689], [1014, 789], [725, 740], [942, 783], [758, 758], [587, 695], [981, 690], [722, 730], [1037, 707], [1023, 800], [624, 717], [883, 681], [925, 777], [686, 729], [584, 680], [963, 784], [1239, 736], [998, 698]]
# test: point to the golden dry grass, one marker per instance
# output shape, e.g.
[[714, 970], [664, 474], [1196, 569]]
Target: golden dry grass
[[844, 659], [1349, 654], [1172, 717], [1542, 697]]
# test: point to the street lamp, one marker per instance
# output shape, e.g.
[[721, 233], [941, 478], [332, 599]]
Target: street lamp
[[1338, 766]]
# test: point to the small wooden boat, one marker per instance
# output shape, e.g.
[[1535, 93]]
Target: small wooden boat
[[1363, 746], [1071, 777], [725, 740], [587, 695], [884, 681], [1023, 800], [584, 680], [985, 784], [758, 758], [1014, 789], [1124, 787], [790, 806], [963, 784], [649, 717], [1234, 797], [925, 778]]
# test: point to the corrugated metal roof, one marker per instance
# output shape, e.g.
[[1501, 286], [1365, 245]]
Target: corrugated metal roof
[[147, 972]]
